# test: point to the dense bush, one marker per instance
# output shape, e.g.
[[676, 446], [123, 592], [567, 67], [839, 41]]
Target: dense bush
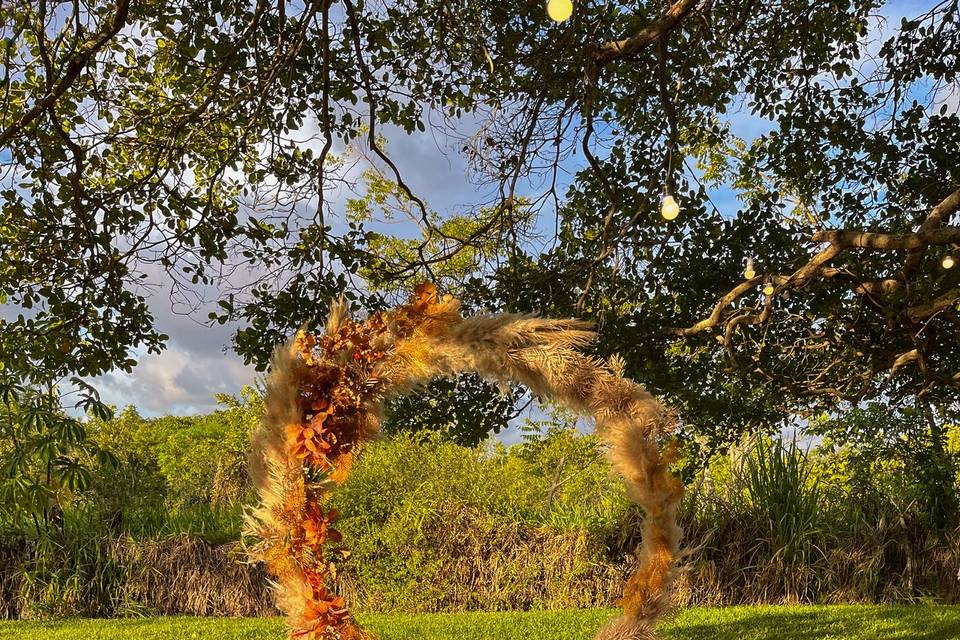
[[793, 525], [83, 570], [175, 472], [436, 526]]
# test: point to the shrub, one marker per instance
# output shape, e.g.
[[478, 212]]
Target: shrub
[[436, 526], [433, 526]]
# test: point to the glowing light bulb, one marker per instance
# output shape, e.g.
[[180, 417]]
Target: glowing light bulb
[[749, 273], [949, 262], [559, 10], [768, 290], [669, 208]]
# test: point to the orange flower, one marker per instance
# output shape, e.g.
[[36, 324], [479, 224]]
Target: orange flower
[[314, 441], [377, 323], [324, 612], [317, 529], [425, 294], [345, 395], [308, 443], [304, 344], [426, 312], [321, 410]]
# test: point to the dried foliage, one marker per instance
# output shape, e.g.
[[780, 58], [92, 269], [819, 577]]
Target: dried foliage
[[86, 574], [180, 575], [325, 395]]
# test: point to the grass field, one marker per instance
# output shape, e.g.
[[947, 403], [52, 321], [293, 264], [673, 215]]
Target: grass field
[[735, 623]]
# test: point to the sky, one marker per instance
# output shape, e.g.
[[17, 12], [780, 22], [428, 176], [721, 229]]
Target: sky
[[198, 362]]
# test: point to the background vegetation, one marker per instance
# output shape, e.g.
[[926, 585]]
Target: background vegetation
[[436, 525]]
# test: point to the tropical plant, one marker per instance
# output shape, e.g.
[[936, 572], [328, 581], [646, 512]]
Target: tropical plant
[[46, 458], [781, 490]]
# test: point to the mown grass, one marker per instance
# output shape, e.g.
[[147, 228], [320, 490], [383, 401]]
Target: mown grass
[[734, 623]]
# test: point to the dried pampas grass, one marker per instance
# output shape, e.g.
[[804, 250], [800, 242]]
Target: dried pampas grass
[[325, 395]]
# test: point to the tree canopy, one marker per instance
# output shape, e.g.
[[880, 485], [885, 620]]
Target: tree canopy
[[236, 152]]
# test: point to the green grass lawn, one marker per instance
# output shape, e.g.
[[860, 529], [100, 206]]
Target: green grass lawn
[[736, 623]]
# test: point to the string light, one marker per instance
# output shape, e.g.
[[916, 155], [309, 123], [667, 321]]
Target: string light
[[948, 262], [749, 273], [669, 208], [769, 289], [559, 10]]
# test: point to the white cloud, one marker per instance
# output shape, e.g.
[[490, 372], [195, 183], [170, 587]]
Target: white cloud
[[177, 381]]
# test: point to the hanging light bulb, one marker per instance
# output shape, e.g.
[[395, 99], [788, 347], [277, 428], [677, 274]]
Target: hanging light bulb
[[769, 289], [559, 10], [669, 208], [948, 262], [749, 273]]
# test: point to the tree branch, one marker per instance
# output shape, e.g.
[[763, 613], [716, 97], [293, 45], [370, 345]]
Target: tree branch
[[938, 217], [933, 232], [889, 241], [923, 311], [614, 49], [716, 317], [365, 76], [73, 70]]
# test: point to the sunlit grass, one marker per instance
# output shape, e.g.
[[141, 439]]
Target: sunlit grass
[[735, 623]]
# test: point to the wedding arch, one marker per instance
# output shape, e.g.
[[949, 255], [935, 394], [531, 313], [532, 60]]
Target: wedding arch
[[325, 395]]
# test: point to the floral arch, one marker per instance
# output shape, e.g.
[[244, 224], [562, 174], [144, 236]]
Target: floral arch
[[325, 395]]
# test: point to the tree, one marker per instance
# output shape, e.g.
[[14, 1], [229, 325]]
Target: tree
[[854, 160], [914, 443], [464, 409], [202, 147]]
